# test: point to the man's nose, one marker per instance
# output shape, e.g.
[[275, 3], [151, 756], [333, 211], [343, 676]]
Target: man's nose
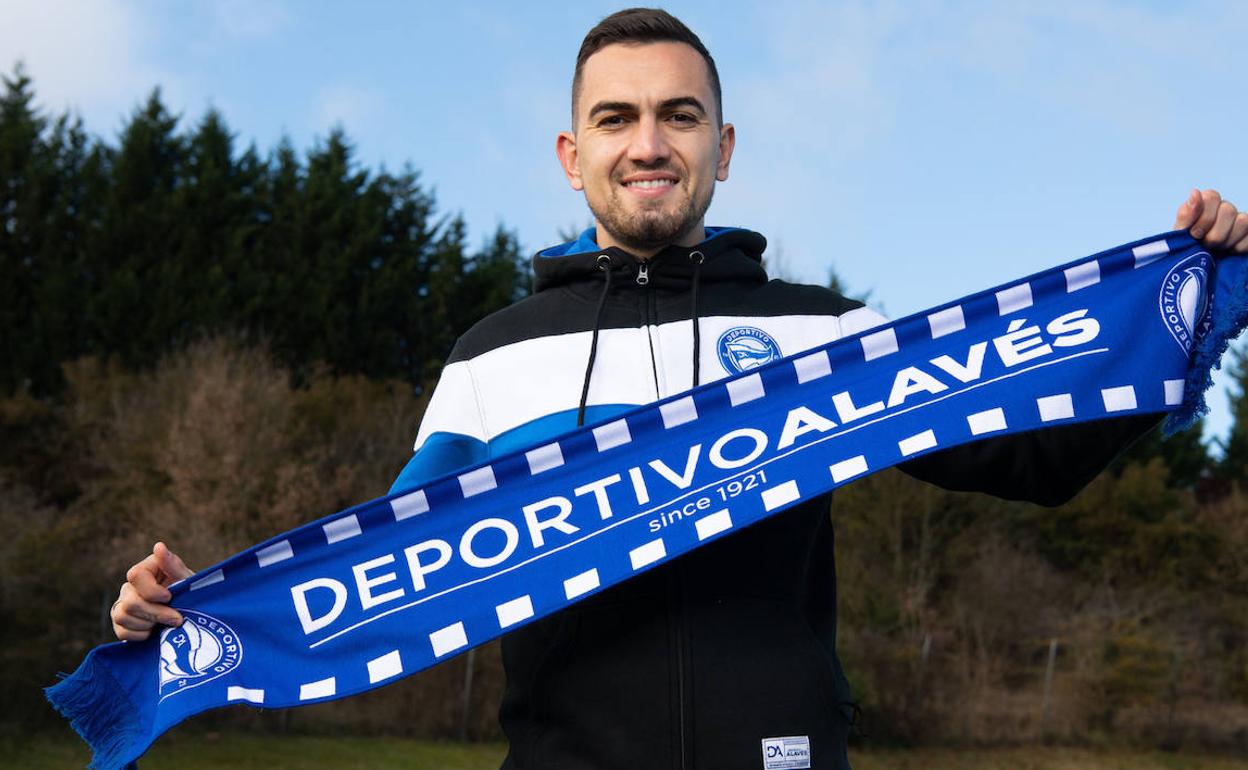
[[648, 145]]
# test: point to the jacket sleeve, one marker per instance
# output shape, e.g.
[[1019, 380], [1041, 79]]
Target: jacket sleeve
[[1047, 466], [452, 432]]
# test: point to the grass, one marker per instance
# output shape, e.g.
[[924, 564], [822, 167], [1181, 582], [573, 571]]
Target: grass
[[208, 751], [1040, 758]]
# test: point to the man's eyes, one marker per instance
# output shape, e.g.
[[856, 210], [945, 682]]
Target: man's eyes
[[682, 119]]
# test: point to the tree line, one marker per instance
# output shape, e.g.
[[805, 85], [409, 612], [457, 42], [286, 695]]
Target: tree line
[[212, 345], [133, 249]]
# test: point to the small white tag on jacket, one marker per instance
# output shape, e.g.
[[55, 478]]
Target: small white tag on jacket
[[789, 753]]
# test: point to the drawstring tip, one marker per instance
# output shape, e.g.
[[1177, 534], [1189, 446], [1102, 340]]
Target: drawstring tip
[[604, 264]]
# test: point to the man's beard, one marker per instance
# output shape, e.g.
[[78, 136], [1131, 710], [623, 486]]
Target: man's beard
[[651, 229]]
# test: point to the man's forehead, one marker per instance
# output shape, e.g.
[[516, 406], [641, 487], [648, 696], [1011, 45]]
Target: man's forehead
[[644, 73]]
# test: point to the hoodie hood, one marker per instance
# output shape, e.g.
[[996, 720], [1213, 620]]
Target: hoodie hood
[[728, 254]]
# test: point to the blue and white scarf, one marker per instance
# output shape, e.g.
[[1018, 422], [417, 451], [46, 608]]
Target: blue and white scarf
[[393, 586]]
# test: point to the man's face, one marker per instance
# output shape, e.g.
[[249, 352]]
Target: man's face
[[646, 146]]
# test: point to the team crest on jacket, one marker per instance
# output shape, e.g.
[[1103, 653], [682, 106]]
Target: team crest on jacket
[[744, 348], [202, 649], [1184, 300]]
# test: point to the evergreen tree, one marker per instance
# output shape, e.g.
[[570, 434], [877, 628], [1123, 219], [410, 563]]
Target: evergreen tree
[[134, 291], [46, 212], [71, 219], [23, 175], [390, 306], [1233, 469], [500, 273], [270, 288], [131, 252], [1184, 455], [210, 205], [445, 313], [336, 232], [464, 287]]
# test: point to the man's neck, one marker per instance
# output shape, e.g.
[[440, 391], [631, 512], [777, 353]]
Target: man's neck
[[605, 241]]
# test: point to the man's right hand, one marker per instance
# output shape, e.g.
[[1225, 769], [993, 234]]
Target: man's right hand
[[144, 599]]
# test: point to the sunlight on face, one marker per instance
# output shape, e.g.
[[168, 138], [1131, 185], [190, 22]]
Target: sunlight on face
[[646, 148]]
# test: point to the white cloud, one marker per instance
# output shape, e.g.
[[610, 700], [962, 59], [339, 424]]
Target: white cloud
[[816, 102], [90, 57], [250, 19], [355, 107], [823, 89], [831, 96], [1108, 61]]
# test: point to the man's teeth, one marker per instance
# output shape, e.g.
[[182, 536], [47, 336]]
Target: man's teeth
[[647, 184]]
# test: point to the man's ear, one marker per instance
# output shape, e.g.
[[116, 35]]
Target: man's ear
[[727, 141], [565, 148]]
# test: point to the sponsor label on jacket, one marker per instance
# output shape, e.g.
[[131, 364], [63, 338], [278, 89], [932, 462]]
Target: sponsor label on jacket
[[791, 752]]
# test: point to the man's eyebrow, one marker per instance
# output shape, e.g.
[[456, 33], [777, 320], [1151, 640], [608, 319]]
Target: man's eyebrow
[[612, 107], [665, 106], [682, 101]]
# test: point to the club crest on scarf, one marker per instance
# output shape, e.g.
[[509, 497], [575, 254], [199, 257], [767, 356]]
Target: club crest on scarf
[[200, 650], [1184, 300], [744, 348]]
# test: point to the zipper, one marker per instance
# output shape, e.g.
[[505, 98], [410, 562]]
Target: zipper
[[651, 320], [675, 582], [676, 616]]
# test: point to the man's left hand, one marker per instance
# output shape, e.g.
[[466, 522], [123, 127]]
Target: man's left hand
[[1216, 223]]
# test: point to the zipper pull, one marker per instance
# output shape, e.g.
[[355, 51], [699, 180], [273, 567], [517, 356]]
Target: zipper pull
[[643, 274]]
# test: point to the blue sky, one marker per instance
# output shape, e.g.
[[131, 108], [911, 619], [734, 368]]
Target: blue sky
[[923, 150]]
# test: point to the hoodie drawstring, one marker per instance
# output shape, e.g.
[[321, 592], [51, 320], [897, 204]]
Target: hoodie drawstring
[[697, 258], [604, 264]]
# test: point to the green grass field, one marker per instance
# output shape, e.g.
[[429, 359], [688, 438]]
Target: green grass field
[[253, 752]]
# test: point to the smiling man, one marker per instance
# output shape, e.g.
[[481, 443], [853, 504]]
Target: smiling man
[[648, 143], [724, 658]]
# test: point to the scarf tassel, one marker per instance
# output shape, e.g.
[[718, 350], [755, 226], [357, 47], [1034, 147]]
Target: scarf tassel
[[98, 708], [1229, 313]]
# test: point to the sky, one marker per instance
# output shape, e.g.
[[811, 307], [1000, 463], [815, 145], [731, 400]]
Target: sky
[[921, 150]]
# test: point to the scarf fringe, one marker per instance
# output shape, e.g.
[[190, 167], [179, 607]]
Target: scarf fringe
[[98, 708], [1230, 318]]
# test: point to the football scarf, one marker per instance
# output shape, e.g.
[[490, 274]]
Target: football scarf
[[393, 586]]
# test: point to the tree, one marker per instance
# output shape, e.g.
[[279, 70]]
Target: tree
[[48, 175], [1184, 455], [1233, 468], [134, 297], [23, 178], [134, 251]]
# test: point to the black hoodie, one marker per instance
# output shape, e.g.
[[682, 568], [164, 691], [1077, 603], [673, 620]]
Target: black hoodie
[[696, 663]]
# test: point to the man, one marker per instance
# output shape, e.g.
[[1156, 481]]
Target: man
[[702, 661]]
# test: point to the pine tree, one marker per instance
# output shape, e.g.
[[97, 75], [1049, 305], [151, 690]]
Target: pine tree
[[333, 249], [47, 173], [445, 315], [397, 267], [133, 251], [1184, 455], [1233, 468], [71, 218], [270, 289], [209, 206], [132, 276], [23, 175]]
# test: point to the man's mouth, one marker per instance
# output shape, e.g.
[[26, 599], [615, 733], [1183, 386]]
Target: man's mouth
[[650, 184]]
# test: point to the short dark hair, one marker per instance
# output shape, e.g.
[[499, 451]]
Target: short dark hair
[[642, 25]]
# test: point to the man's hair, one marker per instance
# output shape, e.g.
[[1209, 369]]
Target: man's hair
[[642, 25]]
